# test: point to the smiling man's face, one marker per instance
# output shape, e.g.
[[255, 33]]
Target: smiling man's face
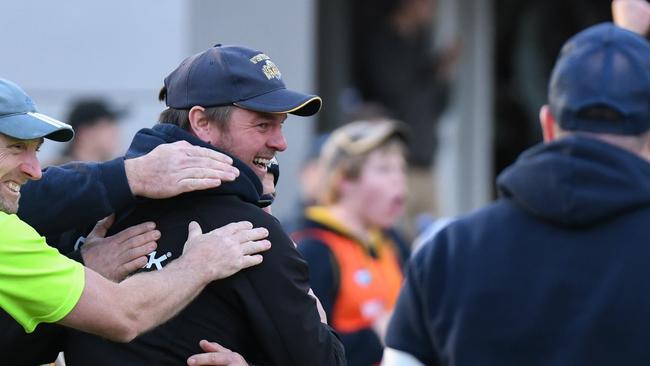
[[18, 164], [252, 137]]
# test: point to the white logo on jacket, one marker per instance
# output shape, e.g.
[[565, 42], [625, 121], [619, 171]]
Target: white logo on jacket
[[157, 261]]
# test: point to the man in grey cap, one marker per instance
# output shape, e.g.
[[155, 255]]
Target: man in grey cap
[[38, 285]]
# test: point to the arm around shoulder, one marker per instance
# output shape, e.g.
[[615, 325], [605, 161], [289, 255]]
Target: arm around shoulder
[[86, 193], [122, 311]]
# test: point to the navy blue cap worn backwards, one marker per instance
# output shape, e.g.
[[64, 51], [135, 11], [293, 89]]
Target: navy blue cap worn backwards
[[20, 119], [234, 75], [601, 82]]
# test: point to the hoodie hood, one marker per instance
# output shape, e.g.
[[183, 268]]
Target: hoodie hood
[[247, 186], [577, 181]]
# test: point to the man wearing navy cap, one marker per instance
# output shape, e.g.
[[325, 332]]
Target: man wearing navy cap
[[556, 271], [39, 285], [231, 99]]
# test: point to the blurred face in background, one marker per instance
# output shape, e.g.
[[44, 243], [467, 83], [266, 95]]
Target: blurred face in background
[[418, 13], [378, 194], [98, 141]]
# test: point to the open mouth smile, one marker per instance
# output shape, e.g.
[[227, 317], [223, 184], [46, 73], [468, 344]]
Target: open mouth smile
[[262, 163]]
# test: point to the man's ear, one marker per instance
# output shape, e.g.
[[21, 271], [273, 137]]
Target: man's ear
[[199, 123], [547, 121]]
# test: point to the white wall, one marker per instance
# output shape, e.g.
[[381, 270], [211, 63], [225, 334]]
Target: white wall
[[120, 50]]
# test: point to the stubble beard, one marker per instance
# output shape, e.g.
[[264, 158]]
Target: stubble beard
[[8, 206], [225, 144]]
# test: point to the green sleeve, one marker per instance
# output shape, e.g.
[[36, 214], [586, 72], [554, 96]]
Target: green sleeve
[[37, 284]]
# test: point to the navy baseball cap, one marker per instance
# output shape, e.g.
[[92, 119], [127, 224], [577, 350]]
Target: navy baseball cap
[[234, 75], [601, 82], [20, 119]]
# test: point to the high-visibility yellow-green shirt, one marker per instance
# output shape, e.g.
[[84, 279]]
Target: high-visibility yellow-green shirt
[[37, 283]]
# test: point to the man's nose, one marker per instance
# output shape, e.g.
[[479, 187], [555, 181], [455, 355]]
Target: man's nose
[[31, 166], [277, 142]]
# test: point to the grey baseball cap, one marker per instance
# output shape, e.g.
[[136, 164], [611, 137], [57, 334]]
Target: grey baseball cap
[[20, 119]]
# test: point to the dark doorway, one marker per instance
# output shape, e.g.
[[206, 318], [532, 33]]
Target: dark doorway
[[528, 39]]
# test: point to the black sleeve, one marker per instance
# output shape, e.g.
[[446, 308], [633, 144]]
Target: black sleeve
[[362, 347], [281, 309], [74, 195], [322, 276], [28, 349], [410, 328]]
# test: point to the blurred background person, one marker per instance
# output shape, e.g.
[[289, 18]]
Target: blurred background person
[[355, 259], [397, 67], [97, 133], [554, 272], [419, 222], [310, 174]]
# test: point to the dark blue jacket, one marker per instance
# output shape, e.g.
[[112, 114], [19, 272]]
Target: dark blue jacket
[[74, 195], [556, 272]]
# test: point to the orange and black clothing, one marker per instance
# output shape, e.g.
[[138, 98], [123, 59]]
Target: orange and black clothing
[[356, 281]]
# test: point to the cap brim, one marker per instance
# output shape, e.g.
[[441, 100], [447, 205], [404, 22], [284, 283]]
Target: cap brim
[[33, 125], [284, 101]]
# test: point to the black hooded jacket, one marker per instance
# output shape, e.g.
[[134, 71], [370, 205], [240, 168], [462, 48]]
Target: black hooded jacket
[[554, 273], [264, 312]]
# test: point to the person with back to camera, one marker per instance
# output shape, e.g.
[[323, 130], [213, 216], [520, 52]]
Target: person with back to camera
[[555, 271]]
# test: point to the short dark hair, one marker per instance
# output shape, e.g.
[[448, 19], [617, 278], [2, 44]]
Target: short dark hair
[[181, 117], [87, 112]]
